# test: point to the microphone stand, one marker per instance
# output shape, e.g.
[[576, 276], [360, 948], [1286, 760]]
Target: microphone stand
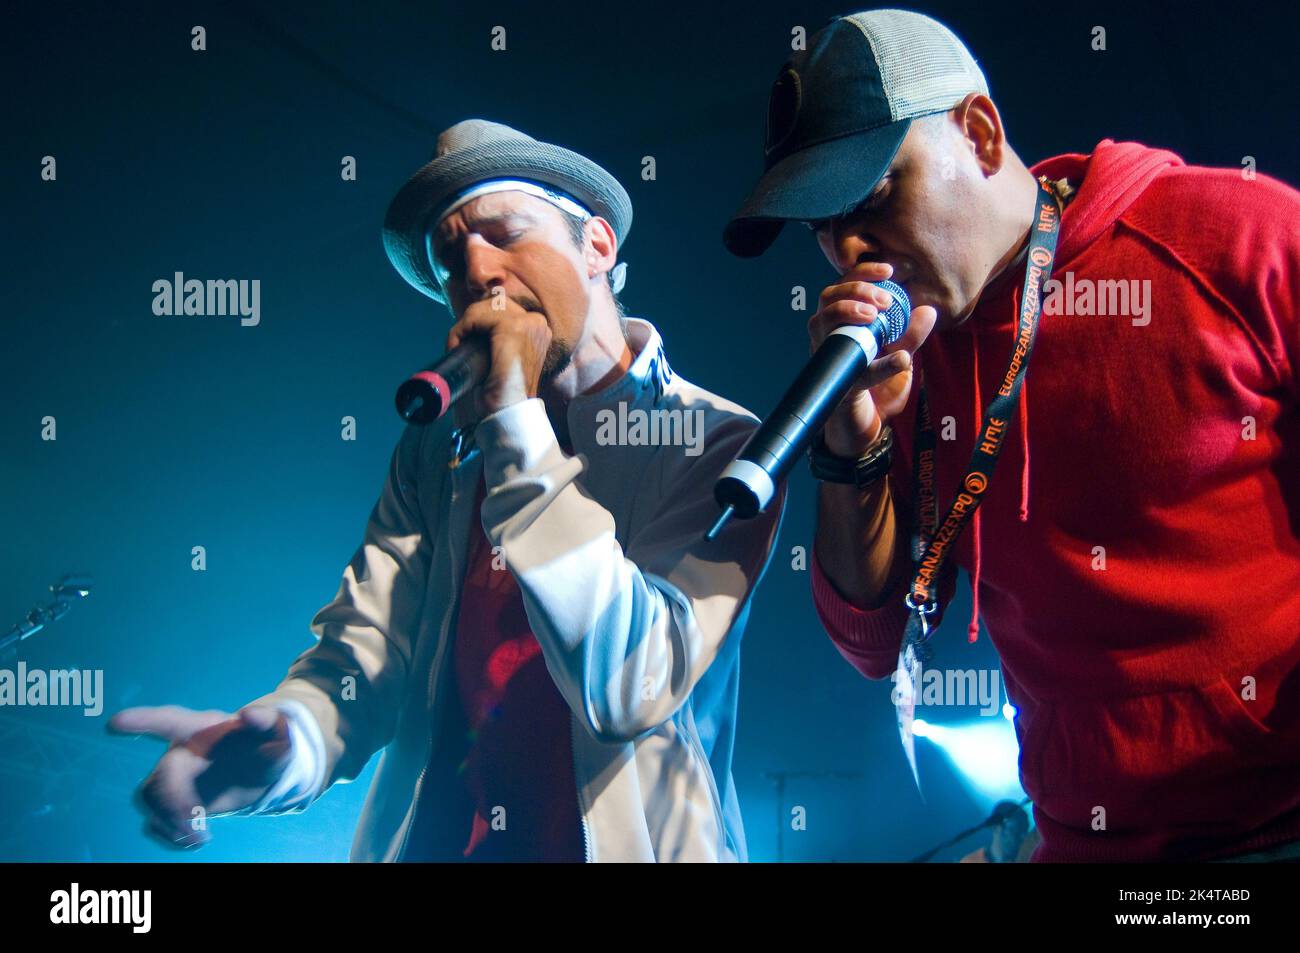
[[66, 590], [780, 778], [992, 820]]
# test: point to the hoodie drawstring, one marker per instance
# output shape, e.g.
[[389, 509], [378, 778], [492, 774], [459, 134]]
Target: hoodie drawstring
[[1024, 450], [973, 630]]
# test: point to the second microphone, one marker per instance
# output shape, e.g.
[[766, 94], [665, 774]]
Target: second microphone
[[749, 482]]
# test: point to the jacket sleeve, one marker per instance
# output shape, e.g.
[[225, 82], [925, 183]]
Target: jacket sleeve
[[869, 639], [343, 694], [625, 635]]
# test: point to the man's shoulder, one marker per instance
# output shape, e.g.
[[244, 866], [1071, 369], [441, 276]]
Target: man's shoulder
[[1216, 207], [679, 393], [1235, 236], [687, 392], [719, 416], [1229, 228]]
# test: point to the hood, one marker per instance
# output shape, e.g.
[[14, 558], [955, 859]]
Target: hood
[[1112, 179]]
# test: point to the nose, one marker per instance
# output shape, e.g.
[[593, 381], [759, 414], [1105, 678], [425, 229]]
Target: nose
[[846, 243], [484, 268]]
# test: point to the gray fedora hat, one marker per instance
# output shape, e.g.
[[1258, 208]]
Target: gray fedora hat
[[475, 151]]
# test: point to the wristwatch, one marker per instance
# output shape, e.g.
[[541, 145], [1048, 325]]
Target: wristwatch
[[862, 472]]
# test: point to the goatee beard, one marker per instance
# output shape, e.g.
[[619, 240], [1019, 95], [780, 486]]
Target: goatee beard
[[558, 358]]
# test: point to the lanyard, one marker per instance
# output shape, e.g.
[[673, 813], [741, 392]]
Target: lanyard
[[933, 539]]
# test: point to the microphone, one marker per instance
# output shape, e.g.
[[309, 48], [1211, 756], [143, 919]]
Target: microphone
[[749, 482], [67, 589], [428, 394]]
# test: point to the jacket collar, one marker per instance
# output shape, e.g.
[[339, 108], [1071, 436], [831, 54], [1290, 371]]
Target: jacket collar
[[645, 379]]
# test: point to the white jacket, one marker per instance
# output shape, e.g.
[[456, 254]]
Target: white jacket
[[639, 619]]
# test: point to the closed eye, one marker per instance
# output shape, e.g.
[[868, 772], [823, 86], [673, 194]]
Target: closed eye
[[872, 203], [877, 196]]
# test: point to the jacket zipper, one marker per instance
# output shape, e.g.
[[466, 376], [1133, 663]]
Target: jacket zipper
[[708, 773], [582, 807]]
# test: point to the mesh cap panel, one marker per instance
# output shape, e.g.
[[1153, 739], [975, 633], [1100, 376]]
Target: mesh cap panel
[[924, 67]]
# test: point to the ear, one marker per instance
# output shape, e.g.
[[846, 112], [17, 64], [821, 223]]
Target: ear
[[978, 120], [601, 247]]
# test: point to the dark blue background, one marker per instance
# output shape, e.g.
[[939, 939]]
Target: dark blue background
[[175, 432]]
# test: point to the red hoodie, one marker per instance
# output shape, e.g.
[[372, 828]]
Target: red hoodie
[[1138, 736]]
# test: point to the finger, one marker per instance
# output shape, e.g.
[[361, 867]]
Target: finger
[[883, 368], [172, 722], [463, 327], [475, 321], [859, 291], [169, 788], [164, 834], [888, 365], [838, 314], [870, 270], [845, 311]]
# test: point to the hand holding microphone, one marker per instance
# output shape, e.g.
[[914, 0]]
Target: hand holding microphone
[[518, 338], [498, 345], [857, 321], [881, 393]]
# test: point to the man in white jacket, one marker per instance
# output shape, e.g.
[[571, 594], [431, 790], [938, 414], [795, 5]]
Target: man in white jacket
[[533, 628]]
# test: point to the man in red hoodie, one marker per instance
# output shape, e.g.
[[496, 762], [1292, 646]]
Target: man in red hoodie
[[1142, 582]]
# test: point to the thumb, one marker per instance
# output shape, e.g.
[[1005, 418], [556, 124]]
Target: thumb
[[260, 717], [919, 326]]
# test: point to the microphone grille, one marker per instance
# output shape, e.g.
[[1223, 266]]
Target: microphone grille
[[899, 312]]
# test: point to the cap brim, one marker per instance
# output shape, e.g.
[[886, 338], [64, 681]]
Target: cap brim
[[818, 182]]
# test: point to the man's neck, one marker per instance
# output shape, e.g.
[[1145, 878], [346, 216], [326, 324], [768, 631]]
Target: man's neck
[[600, 360], [1011, 261], [1064, 191], [1024, 207]]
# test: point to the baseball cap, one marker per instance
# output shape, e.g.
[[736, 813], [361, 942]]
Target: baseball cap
[[839, 110]]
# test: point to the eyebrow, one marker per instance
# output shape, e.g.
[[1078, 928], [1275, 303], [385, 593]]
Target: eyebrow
[[440, 243]]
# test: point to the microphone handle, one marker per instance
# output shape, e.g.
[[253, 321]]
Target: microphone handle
[[749, 482], [428, 394]]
